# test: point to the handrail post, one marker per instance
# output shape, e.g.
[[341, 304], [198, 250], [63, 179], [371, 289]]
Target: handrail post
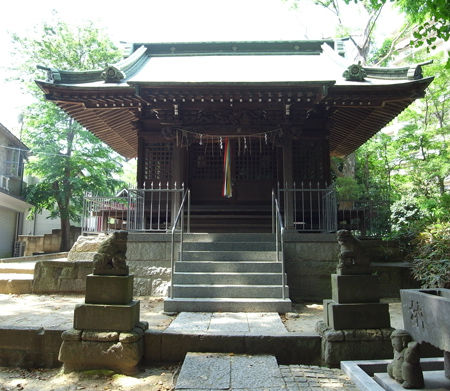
[[181, 234], [189, 212], [276, 241], [283, 277], [172, 266], [273, 211]]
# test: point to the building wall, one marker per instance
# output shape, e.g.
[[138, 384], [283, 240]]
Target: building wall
[[41, 224], [7, 231]]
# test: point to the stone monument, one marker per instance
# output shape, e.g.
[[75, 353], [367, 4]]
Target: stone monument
[[107, 333], [405, 367], [356, 324]]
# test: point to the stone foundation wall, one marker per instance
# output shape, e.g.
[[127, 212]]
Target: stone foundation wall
[[48, 243], [310, 260], [55, 276], [29, 348], [148, 257]]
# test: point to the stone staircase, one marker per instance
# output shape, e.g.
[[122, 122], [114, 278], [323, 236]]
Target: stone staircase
[[228, 272], [16, 277]]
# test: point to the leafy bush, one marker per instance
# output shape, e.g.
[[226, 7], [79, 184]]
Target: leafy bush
[[407, 216], [348, 189], [431, 265]]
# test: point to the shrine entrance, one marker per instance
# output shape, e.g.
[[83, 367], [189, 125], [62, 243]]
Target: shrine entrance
[[254, 172]]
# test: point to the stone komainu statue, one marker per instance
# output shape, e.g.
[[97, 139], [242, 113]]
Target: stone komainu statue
[[352, 257], [110, 257], [405, 367]]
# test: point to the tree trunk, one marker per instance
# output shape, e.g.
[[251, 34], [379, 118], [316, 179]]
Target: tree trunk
[[65, 234]]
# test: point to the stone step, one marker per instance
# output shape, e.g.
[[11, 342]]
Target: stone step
[[17, 267], [229, 246], [230, 266], [227, 305], [227, 278], [228, 291], [214, 371], [16, 283], [229, 256], [229, 237]]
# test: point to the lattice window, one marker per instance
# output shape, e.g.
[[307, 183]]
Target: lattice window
[[158, 163], [256, 163], [309, 157], [207, 161]]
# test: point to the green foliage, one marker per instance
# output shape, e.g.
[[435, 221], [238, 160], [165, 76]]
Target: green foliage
[[431, 265], [406, 216], [380, 56], [410, 166], [348, 189], [67, 159], [432, 18]]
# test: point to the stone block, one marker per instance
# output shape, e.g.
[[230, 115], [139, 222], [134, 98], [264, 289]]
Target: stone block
[[357, 316], [29, 348], [355, 289], [335, 352], [100, 317], [71, 335], [100, 336], [152, 345], [116, 356], [292, 348], [175, 346], [101, 289]]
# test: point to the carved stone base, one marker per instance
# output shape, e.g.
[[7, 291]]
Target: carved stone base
[[117, 351], [346, 345]]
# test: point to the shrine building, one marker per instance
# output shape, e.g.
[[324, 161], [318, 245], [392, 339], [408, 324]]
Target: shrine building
[[238, 124]]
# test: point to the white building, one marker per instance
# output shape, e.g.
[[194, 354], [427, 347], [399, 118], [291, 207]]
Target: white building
[[12, 205]]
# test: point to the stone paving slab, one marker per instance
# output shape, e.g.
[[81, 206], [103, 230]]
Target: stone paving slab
[[222, 371], [230, 323], [254, 372], [314, 378]]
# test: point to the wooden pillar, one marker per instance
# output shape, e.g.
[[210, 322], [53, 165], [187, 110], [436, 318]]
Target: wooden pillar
[[140, 163], [288, 183], [177, 177]]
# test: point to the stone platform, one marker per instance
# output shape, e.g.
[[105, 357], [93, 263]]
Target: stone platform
[[216, 371], [30, 322], [240, 333]]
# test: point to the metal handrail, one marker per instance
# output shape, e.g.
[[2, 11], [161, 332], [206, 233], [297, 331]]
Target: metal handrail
[[279, 241], [180, 214]]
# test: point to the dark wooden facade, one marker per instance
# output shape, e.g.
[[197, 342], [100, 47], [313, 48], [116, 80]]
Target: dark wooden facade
[[282, 128]]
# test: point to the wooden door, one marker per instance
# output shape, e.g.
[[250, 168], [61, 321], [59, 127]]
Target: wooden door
[[254, 173]]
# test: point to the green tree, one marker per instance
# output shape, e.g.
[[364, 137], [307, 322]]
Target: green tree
[[360, 32], [67, 159], [431, 19], [412, 165]]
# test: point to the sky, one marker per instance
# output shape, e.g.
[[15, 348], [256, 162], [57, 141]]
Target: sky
[[168, 21]]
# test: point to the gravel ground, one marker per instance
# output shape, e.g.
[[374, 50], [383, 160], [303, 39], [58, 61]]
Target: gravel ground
[[160, 378]]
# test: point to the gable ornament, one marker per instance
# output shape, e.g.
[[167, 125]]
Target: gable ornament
[[111, 74], [355, 72]]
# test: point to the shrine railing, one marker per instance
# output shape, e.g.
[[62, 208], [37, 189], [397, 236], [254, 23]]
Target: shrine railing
[[308, 207], [178, 226], [279, 241], [365, 217], [151, 209]]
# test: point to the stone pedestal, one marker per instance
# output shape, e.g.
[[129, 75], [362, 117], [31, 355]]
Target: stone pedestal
[[107, 333], [355, 304], [356, 325]]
